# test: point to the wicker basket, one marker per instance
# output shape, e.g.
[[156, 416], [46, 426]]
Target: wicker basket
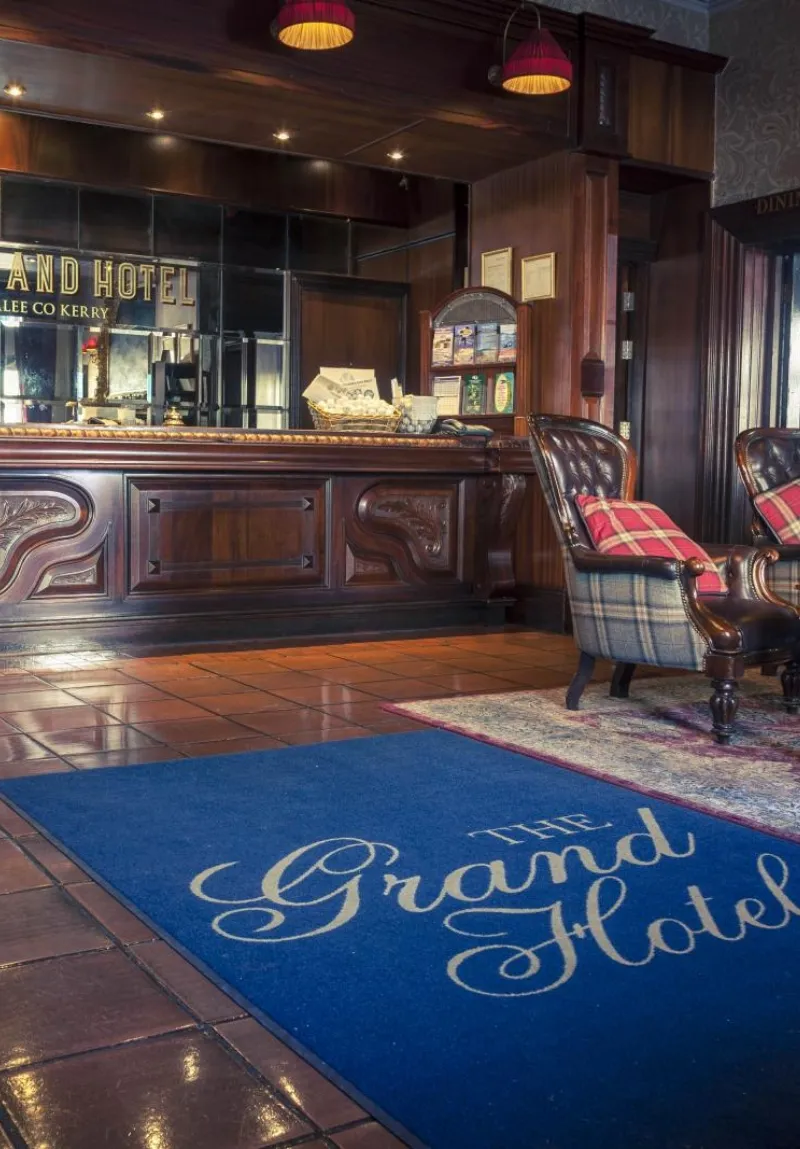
[[326, 421]]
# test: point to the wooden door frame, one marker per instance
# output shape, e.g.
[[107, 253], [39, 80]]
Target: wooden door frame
[[341, 285]]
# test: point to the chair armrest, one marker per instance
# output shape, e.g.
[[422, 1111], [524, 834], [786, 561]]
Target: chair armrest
[[588, 561], [746, 567]]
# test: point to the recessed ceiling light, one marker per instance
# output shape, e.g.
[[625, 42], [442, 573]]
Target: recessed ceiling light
[[155, 114], [282, 135], [14, 90], [396, 155]]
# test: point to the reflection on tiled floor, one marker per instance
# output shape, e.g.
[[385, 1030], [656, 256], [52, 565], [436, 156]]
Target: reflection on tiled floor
[[107, 1036]]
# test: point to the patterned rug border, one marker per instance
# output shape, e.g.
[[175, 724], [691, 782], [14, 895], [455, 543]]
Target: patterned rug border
[[405, 710]]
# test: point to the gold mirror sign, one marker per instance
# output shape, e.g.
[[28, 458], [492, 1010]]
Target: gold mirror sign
[[31, 279]]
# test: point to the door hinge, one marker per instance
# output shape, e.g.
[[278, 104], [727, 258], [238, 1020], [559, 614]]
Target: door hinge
[[628, 301], [627, 349]]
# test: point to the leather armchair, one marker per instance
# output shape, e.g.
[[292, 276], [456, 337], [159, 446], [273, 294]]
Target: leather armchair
[[643, 610], [768, 457]]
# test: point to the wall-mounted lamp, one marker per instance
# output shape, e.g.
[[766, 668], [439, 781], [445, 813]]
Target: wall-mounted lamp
[[537, 67], [314, 25]]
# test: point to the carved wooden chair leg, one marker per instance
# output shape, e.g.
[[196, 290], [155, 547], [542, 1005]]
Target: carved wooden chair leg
[[580, 681], [621, 679], [790, 681], [724, 705]]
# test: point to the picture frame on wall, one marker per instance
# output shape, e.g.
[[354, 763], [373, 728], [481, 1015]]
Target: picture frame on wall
[[497, 269], [538, 277]]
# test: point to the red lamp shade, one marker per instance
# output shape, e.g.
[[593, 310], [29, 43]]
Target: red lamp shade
[[538, 67], [315, 25]]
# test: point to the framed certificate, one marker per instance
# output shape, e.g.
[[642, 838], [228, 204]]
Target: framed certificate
[[496, 269], [538, 277]]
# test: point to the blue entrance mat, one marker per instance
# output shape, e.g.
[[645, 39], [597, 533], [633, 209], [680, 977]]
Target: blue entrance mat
[[486, 951]]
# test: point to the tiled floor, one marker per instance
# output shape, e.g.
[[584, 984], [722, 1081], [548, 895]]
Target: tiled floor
[[107, 1037]]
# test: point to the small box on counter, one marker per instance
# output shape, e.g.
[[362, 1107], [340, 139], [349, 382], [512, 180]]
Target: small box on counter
[[447, 389]]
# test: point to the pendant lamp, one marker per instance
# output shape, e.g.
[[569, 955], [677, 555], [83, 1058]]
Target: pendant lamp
[[314, 25], [537, 67]]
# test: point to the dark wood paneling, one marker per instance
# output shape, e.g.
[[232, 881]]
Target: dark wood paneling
[[744, 295], [114, 158], [635, 216], [347, 322], [770, 221], [156, 536], [675, 357], [671, 119]]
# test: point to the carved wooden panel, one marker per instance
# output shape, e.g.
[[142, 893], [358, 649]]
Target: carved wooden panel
[[34, 512], [372, 571], [226, 535], [419, 523], [76, 578]]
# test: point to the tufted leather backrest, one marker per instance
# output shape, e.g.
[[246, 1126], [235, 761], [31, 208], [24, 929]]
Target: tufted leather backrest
[[768, 457], [578, 457]]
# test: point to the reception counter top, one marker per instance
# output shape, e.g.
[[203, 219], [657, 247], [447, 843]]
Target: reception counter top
[[152, 536]]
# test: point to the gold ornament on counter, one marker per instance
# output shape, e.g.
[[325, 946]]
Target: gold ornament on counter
[[173, 417]]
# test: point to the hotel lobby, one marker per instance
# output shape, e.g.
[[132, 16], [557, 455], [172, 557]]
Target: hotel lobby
[[400, 575]]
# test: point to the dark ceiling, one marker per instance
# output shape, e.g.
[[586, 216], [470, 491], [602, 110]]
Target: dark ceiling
[[415, 79]]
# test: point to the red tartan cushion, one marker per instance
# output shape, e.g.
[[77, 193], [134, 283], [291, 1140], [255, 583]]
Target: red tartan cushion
[[781, 510], [620, 528]]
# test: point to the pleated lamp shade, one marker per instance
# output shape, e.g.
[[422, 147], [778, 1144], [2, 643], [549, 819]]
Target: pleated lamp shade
[[315, 25], [537, 67]]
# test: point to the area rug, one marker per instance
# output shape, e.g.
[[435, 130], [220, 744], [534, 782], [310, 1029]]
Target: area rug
[[658, 741], [485, 950]]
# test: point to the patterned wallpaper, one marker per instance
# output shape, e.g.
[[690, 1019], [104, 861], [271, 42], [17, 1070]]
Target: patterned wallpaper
[[758, 99], [671, 21]]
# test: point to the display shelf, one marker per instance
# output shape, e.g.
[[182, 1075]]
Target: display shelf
[[468, 309]]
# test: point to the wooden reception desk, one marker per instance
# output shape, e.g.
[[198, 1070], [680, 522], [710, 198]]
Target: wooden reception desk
[[112, 537]]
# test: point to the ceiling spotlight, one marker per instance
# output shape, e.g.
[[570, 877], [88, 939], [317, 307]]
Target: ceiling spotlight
[[14, 90], [282, 135], [155, 114], [314, 25], [396, 155]]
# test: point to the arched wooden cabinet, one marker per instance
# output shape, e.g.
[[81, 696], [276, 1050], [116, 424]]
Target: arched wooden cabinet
[[475, 351]]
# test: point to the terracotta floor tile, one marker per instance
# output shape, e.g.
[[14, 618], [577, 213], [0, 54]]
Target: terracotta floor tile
[[44, 923], [325, 694], [536, 678], [377, 657], [133, 757], [94, 740], [72, 1004], [208, 729], [277, 679], [283, 723], [202, 688], [230, 746], [397, 724], [367, 713], [130, 692], [184, 672], [406, 688], [95, 676], [62, 868], [6, 727], [246, 701], [34, 700], [75, 717], [183, 1091], [17, 872], [326, 734], [419, 668], [182, 979], [352, 673], [165, 709], [13, 823], [308, 1089], [466, 682], [124, 925], [369, 1136], [24, 767]]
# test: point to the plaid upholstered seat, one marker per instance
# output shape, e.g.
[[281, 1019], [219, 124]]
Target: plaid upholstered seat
[[769, 464], [644, 609]]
